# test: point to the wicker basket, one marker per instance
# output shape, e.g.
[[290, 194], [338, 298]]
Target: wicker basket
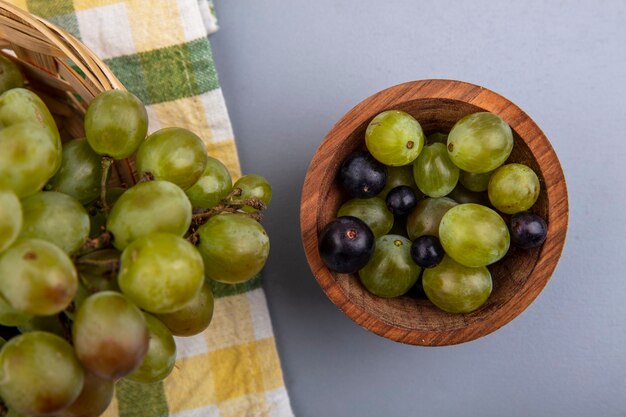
[[60, 70]]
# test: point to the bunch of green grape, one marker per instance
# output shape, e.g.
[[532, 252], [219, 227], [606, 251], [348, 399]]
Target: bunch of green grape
[[427, 213], [96, 280]]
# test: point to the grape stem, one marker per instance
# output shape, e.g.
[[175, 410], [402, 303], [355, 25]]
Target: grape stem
[[92, 245], [146, 176], [201, 217], [107, 161], [230, 204], [109, 264]]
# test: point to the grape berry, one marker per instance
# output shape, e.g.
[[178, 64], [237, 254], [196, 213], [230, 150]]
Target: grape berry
[[361, 175], [528, 230], [401, 200], [427, 251], [346, 244]]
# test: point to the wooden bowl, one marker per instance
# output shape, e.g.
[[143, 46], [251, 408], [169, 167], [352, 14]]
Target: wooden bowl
[[517, 279]]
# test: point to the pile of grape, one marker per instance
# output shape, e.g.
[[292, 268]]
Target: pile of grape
[[429, 217], [95, 280]]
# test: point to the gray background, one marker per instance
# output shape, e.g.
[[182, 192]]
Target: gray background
[[291, 68]]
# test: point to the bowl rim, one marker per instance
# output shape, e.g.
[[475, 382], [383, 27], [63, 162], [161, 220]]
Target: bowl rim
[[542, 151]]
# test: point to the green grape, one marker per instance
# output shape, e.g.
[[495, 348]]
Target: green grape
[[426, 216], [94, 399], [39, 374], [194, 318], [474, 235], [462, 195], [173, 154], [98, 270], [253, 186], [56, 218], [161, 272], [110, 335], [10, 217], [161, 357], [149, 207], [10, 316], [10, 75], [394, 138], [80, 173], [21, 106], [475, 182], [397, 176], [36, 277], [234, 248], [29, 158], [373, 211], [480, 142], [434, 173], [437, 137], [456, 288], [34, 162], [213, 186], [116, 123], [513, 188], [51, 324], [390, 271]]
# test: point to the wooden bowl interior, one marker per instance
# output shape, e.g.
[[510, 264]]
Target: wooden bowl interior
[[406, 312]]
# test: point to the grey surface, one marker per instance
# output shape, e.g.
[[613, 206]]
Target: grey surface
[[290, 69]]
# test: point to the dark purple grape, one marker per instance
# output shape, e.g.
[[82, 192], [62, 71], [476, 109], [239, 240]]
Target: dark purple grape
[[528, 230], [346, 244], [361, 175], [401, 200], [427, 251]]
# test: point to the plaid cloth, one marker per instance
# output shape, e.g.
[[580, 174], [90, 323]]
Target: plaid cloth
[[160, 51]]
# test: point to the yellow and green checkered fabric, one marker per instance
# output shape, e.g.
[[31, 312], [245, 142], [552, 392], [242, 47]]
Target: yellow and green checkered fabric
[[160, 51]]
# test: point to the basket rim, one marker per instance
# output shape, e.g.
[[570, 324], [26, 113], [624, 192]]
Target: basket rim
[[96, 71]]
